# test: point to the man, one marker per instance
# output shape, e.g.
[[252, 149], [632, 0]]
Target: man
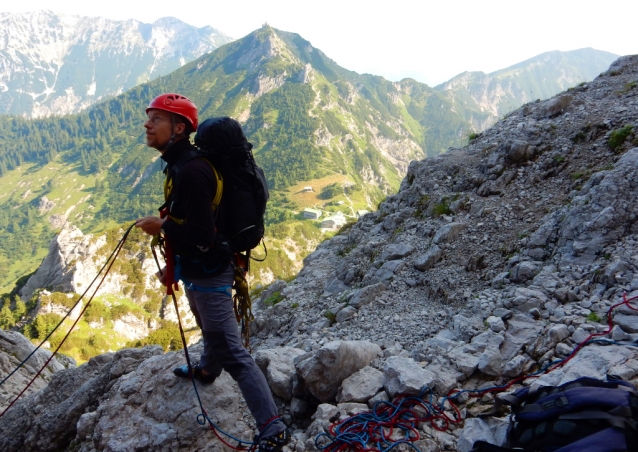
[[202, 263]]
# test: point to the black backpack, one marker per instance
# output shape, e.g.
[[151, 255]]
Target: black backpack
[[582, 415], [244, 188]]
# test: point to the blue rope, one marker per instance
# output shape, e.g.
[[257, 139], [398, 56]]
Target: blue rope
[[404, 415], [203, 417], [358, 431]]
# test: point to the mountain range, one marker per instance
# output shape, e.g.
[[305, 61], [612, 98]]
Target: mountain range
[[510, 262], [59, 64], [349, 137], [540, 77]]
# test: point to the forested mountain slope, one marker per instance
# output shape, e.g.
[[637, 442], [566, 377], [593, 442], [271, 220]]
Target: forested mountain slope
[[309, 119]]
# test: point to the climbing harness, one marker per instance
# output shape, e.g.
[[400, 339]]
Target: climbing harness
[[391, 424]]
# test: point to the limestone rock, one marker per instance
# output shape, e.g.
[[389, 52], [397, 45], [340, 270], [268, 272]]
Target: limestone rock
[[427, 261], [396, 251], [324, 371], [404, 376], [361, 386], [448, 232], [14, 348], [366, 295], [278, 366], [556, 105], [493, 430]]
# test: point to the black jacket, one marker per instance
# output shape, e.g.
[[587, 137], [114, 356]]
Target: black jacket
[[191, 228]]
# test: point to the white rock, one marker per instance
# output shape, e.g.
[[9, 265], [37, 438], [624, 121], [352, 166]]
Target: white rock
[[496, 324], [334, 362], [405, 376], [361, 385]]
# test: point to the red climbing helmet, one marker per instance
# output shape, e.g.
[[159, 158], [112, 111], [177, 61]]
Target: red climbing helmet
[[178, 104]]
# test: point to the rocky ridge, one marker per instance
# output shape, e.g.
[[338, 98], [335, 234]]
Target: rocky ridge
[[491, 261], [58, 64], [490, 96]]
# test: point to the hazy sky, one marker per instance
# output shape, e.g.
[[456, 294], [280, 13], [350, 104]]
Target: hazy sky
[[430, 41]]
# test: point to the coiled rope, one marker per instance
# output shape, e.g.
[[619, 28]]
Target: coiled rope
[[391, 424]]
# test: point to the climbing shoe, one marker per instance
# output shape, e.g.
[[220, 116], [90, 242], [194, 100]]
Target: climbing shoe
[[182, 371], [274, 443]]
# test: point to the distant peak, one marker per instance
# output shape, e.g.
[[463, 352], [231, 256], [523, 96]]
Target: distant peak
[[167, 21]]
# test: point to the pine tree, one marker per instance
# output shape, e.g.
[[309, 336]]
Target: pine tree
[[6, 317]]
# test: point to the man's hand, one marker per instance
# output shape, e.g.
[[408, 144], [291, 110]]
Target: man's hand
[[150, 225]]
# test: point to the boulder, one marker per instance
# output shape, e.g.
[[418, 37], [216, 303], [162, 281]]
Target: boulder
[[366, 295], [448, 232], [396, 251], [346, 314], [629, 323], [524, 271], [555, 106], [278, 366], [324, 371], [491, 362], [361, 386], [517, 151], [495, 323], [405, 376], [446, 377], [465, 359], [521, 330], [431, 257]]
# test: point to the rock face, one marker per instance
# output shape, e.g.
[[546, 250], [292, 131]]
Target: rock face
[[536, 227], [14, 348], [69, 266], [74, 260]]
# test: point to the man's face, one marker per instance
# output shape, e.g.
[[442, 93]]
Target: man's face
[[159, 129]]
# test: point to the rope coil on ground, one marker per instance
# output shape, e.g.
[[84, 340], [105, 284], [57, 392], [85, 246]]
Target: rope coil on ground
[[389, 425]]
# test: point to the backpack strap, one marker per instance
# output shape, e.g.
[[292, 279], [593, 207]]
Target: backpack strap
[[619, 417], [220, 185], [168, 184]]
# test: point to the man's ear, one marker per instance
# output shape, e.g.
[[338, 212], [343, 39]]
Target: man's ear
[[179, 128]]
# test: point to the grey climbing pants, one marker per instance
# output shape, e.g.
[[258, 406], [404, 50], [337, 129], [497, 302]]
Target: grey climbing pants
[[223, 349]]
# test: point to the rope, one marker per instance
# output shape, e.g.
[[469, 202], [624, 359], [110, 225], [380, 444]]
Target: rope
[[242, 305], [389, 425], [109, 262], [171, 286]]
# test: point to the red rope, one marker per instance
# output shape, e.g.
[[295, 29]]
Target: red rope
[[380, 425]]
